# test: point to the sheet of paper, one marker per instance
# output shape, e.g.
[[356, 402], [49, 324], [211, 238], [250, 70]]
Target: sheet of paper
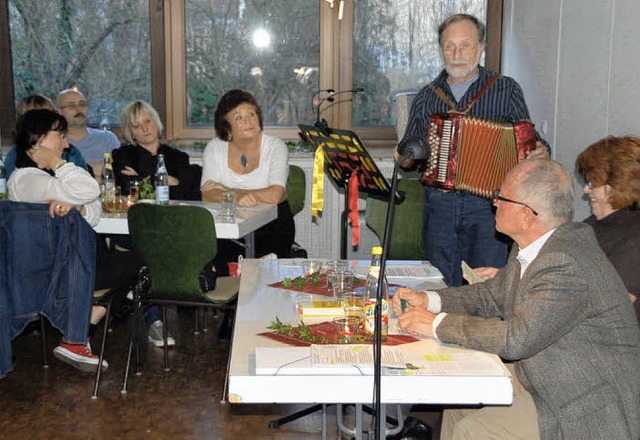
[[354, 355], [453, 363], [469, 274], [403, 271]]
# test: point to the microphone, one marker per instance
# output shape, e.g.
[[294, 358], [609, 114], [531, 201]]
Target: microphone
[[413, 147], [322, 125], [354, 90]]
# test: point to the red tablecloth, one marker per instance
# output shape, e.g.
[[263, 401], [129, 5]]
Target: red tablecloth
[[327, 331]]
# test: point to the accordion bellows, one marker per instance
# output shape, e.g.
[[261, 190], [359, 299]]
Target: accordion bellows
[[474, 155]]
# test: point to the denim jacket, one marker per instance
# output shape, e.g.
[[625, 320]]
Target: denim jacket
[[46, 266]]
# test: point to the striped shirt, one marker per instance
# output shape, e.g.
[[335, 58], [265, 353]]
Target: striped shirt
[[504, 101]]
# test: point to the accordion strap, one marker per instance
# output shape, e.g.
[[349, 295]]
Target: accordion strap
[[475, 99]]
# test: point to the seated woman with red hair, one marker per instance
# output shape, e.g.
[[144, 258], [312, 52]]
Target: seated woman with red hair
[[611, 172]]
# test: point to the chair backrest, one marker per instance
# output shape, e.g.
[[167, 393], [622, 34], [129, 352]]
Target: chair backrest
[[175, 243], [406, 235], [403, 101], [296, 187]]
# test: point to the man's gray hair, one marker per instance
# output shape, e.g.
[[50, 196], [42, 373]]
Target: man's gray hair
[[462, 17], [548, 187]]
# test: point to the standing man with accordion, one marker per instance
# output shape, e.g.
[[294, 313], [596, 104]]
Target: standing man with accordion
[[477, 124]]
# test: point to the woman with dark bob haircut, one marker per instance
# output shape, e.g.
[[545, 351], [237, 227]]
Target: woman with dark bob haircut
[[42, 176], [611, 172], [243, 159]]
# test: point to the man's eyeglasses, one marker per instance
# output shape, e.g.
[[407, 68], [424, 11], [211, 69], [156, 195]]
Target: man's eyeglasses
[[464, 48], [496, 196], [80, 104]]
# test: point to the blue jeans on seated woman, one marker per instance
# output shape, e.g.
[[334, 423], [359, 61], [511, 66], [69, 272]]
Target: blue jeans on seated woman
[[459, 226]]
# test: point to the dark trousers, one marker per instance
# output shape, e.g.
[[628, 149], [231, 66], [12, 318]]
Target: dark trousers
[[275, 237], [459, 226]]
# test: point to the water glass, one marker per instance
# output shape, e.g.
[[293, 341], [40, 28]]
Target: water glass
[[228, 213], [331, 267], [342, 281]]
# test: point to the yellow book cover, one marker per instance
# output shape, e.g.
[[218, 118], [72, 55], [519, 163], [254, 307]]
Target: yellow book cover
[[320, 308]]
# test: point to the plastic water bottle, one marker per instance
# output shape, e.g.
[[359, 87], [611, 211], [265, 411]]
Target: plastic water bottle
[[162, 182], [3, 180], [108, 181], [370, 290]]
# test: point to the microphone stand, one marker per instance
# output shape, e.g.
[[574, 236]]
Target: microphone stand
[[322, 124], [410, 148]]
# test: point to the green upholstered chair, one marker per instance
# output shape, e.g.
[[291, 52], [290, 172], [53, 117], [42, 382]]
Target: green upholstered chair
[[296, 190], [296, 187], [175, 243], [406, 235]]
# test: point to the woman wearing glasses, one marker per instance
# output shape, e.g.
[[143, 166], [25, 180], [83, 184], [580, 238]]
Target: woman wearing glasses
[[42, 176], [611, 171]]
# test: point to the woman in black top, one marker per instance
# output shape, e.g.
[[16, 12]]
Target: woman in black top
[[142, 128]]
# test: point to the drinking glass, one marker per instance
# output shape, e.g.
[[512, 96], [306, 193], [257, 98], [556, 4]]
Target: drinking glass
[[346, 327], [331, 267], [342, 281], [353, 304], [228, 212], [311, 266], [134, 192]]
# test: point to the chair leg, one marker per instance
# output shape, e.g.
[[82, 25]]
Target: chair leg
[[205, 312], [197, 314], [102, 346], [43, 336], [165, 334]]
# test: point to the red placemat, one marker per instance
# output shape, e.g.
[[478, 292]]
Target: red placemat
[[307, 285], [327, 332]]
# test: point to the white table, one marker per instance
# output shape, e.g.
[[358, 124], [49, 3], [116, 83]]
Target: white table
[[248, 220], [258, 306]]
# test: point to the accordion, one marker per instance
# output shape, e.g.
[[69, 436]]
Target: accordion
[[474, 155]]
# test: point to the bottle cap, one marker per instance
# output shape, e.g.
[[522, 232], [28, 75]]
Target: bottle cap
[[376, 250]]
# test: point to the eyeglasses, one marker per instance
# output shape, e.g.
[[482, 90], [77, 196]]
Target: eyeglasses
[[62, 134], [464, 48], [496, 196], [80, 104], [590, 186]]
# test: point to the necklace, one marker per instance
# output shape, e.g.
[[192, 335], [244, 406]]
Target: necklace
[[243, 161]]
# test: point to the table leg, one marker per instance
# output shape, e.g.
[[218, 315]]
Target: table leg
[[250, 246]]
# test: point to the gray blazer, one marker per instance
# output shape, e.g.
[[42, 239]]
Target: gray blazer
[[570, 329]]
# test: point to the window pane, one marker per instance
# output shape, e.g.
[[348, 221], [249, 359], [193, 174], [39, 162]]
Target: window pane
[[102, 46], [395, 48], [271, 49]]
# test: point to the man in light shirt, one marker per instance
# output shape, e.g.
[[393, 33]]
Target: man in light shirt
[[558, 312], [93, 143]]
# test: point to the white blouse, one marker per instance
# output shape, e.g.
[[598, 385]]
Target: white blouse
[[273, 168], [71, 184]]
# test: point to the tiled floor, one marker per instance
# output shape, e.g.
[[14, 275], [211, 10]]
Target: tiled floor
[[184, 403]]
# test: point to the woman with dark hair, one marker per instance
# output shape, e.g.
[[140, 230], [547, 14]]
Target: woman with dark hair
[[611, 172], [253, 164], [42, 176], [33, 102]]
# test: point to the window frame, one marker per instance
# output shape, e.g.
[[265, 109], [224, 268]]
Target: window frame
[[168, 73]]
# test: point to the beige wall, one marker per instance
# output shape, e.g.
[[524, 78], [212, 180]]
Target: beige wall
[[578, 63]]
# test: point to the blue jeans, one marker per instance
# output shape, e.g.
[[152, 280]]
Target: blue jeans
[[46, 266], [459, 226]]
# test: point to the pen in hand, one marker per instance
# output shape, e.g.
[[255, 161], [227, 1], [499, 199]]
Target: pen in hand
[[403, 304]]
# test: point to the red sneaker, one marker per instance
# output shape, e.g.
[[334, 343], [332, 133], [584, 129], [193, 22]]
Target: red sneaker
[[78, 356]]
